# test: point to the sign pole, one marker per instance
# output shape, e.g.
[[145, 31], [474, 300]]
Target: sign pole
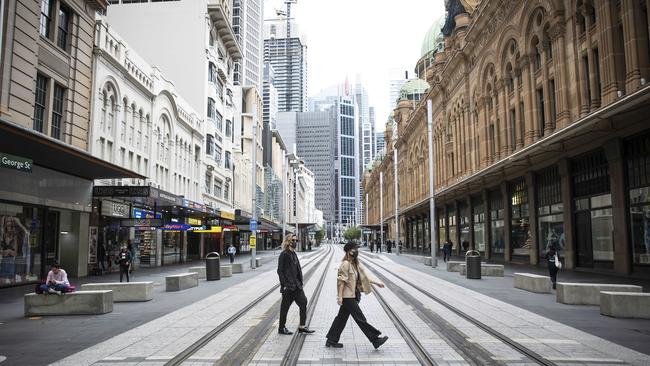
[[253, 223]]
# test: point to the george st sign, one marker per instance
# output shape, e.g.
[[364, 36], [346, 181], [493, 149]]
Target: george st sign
[[16, 162]]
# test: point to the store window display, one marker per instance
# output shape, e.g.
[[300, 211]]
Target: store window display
[[20, 254]]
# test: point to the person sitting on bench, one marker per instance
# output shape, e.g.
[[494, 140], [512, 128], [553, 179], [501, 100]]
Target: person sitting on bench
[[57, 281]]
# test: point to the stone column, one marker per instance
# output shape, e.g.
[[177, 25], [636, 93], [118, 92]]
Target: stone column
[[563, 117], [532, 217], [470, 207], [593, 82], [510, 141], [457, 218], [567, 199], [487, 225], [548, 120], [636, 47], [503, 119], [621, 233], [608, 60], [519, 142], [529, 104], [507, 222], [485, 135]]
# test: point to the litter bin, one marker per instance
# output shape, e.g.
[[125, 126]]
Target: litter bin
[[473, 264], [212, 266]]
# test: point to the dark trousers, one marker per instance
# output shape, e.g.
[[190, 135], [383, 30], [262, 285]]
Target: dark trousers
[[446, 256], [349, 308], [288, 297], [232, 258], [552, 271], [124, 270]]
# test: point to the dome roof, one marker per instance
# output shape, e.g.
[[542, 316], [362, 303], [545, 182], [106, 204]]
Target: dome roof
[[413, 88], [434, 37]]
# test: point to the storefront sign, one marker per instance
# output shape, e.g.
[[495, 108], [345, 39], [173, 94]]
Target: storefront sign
[[114, 209], [195, 222], [16, 162], [176, 227], [145, 214], [252, 241], [201, 228], [193, 205], [228, 215], [213, 229], [121, 191], [141, 223]]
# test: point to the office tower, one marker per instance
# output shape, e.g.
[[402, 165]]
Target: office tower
[[247, 21], [288, 57]]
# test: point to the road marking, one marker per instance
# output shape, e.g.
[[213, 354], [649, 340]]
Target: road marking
[[2, 358], [35, 317]]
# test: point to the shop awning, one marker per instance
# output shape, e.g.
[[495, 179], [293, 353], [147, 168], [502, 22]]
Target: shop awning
[[53, 154]]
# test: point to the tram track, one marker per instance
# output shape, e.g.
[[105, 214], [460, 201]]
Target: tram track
[[472, 353], [187, 353]]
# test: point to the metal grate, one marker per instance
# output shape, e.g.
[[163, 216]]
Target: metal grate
[[637, 158], [549, 188], [590, 175]]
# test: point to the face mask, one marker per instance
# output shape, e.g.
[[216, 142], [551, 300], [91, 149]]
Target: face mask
[[354, 254], [293, 244]]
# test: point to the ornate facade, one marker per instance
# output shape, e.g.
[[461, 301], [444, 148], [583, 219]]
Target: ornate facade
[[539, 134]]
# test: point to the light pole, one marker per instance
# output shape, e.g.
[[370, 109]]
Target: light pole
[[433, 227], [253, 238], [397, 250], [381, 208]]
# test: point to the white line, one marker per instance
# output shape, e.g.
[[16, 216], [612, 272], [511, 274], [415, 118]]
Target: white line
[[2, 358]]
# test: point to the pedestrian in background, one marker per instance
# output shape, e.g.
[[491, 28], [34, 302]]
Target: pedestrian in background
[[129, 247], [553, 261], [231, 252], [291, 286], [446, 250], [124, 260], [351, 281]]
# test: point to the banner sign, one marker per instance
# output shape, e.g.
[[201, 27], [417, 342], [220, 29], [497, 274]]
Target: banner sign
[[121, 191], [145, 214], [16, 163], [253, 242], [253, 225], [141, 222], [176, 227], [115, 209], [194, 222]]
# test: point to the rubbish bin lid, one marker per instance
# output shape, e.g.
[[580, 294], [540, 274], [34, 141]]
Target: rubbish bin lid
[[476, 252], [213, 254]]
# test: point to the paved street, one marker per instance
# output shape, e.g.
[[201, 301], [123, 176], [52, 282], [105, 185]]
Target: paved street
[[153, 333]]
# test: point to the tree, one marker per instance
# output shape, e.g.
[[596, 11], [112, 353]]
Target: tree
[[352, 233], [320, 234]]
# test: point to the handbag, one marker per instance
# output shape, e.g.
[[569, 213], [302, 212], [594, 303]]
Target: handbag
[[558, 264]]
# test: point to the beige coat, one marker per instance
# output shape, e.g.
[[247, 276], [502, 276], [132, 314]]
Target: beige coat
[[348, 276]]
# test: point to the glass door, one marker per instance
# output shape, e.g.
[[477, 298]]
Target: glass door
[[584, 247]]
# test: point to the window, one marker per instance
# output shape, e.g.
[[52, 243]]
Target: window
[[212, 72], [219, 121], [46, 11], [218, 187], [218, 154], [227, 161], [208, 180], [226, 191], [40, 102], [64, 24], [209, 145], [57, 111], [211, 108], [228, 128], [219, 87]]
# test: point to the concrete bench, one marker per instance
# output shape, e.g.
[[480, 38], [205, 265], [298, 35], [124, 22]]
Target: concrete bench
[[72, 303], [533, 283], [428, 261], [226, 270], [124, 291], [258, 262], [199, 270], [237, 268], [625, 304], [588, 293], [181, 281], [487, 270], [454, 266]]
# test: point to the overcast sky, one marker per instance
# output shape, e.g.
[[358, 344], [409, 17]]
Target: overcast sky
[[370, 37]]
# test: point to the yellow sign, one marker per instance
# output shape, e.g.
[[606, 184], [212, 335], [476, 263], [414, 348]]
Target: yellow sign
[[213, 229], [228, 215], [195, 222], [253, 242]]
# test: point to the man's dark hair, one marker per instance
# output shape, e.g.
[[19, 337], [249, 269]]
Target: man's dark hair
[[56, 265]]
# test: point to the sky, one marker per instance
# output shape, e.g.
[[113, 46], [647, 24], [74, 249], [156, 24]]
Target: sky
[[366, 37]]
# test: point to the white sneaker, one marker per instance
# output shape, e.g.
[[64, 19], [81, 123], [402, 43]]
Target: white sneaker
[[51, 291]]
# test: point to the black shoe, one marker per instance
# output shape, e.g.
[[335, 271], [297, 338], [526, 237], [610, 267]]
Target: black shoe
[[329, 343], [554, 287], [284, 331], [379, 341], [306, 330]]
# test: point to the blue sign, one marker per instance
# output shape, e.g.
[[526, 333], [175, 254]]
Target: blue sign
[[253, 225], [145, 214]]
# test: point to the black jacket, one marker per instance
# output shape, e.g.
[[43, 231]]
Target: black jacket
[[289, 271]]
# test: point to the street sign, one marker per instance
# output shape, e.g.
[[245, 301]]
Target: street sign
[[253, 225], [253, 242], [16, 162]]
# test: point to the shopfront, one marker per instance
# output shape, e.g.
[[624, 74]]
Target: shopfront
[[520, 238], [637, 157], [478, 212], [550, 211], [497, 230], [593, 211], [463, 226]]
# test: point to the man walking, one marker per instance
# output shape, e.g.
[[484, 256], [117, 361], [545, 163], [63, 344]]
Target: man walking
[[124, 260], [291, 286], [231, 252]]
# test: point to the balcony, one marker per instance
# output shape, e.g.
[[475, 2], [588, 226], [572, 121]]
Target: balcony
[[219, 11]]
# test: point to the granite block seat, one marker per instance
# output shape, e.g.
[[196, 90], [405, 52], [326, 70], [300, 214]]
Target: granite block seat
[[533, 283], [237, 268], [487, 270], [182, 281], [124, 291], [588, 293], [200, 270], [73, 303], [226, 270], [625, 304], [454, 266]]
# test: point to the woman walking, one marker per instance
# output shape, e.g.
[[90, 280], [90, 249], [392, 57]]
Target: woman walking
[[553, 262], [351, 281]]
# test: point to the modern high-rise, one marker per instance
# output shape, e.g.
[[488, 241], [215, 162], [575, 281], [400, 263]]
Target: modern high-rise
[[380, 143], [317, 145], [270, 110], [365, 133], [247, 21], [287, 54], [201, 31], [396, 78]]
